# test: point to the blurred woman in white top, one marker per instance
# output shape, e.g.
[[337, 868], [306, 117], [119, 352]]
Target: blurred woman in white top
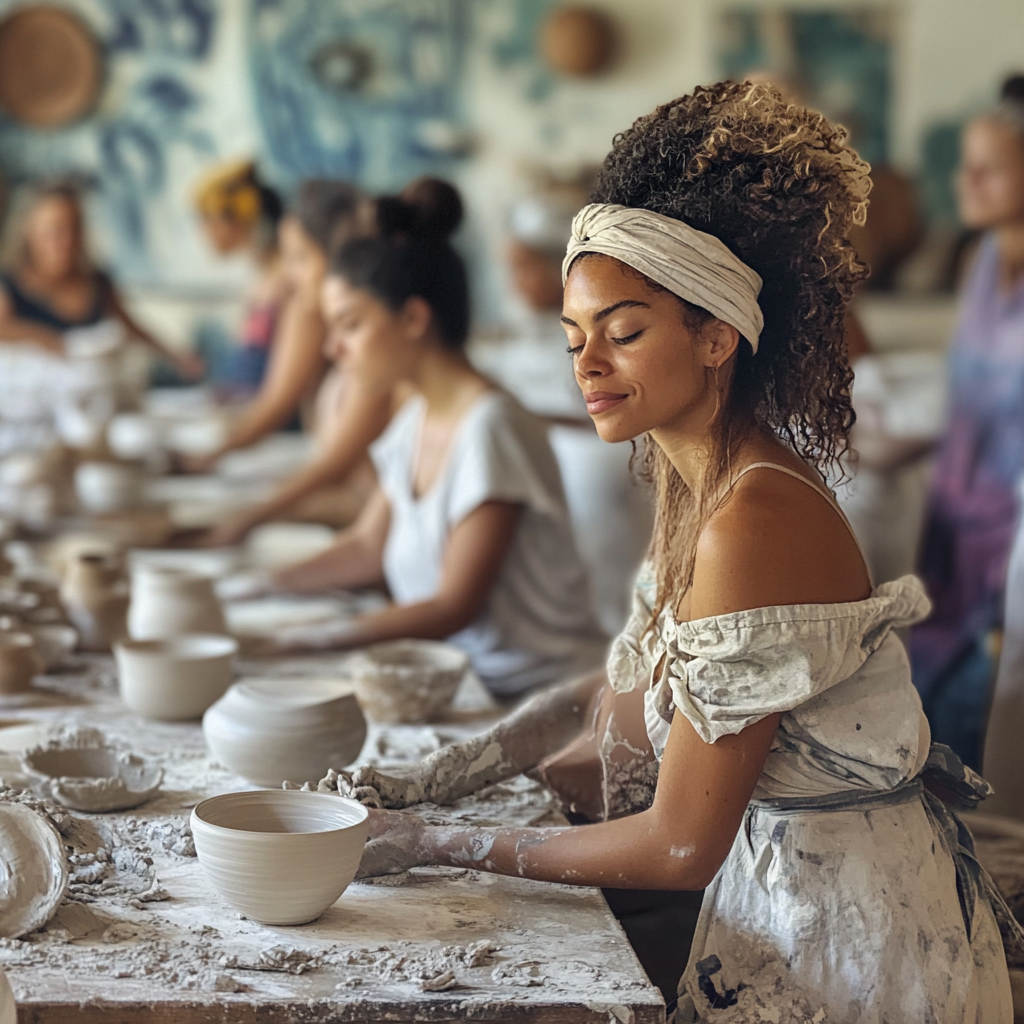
[[468, 527]]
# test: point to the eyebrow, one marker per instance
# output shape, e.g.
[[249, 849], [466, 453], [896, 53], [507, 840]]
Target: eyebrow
[[608, 310]]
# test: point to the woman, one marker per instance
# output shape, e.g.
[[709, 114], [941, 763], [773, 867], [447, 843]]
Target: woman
[[468, 526], [348, 418], [240, 215], [760, 681], [54, 287], [973, 508]]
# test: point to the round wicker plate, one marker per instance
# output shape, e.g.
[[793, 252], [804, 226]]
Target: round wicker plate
[[51, 67]]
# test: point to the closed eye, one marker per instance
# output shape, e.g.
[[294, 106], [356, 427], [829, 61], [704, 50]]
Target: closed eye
[[574, 350], [629, 337]]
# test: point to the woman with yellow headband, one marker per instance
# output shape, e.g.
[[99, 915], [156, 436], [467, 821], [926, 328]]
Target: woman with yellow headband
[[240, 214]]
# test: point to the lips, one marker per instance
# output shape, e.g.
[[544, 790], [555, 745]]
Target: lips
[[602, 401]]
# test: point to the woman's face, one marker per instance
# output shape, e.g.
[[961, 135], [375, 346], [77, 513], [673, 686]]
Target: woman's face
[[303, 260], [639, 366], [53, 236], [990, 181], [225, 234], [372, 341]]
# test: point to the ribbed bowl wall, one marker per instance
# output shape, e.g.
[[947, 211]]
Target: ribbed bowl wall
[[280, 857]]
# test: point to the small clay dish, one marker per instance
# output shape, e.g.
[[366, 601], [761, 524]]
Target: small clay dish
[[93, 777], [407, 681], [280, 856]]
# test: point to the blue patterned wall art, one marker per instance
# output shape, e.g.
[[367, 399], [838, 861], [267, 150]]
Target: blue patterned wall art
[[407, 59]]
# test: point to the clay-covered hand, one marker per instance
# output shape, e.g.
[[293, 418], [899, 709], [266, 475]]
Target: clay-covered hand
[[395, 844], [401, 786], [342, 784]]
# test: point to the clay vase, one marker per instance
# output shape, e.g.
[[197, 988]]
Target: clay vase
[[94, 593], [278, 856], [19, 662], [269, 730], [172, 602]]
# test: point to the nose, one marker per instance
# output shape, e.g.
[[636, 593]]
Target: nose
[[591, 361]]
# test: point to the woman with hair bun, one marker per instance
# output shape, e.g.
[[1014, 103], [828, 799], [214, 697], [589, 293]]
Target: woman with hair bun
[[757, 729], [468, 526]]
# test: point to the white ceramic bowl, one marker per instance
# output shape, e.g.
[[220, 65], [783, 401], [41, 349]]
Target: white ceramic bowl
[[407, 681], [280, 856], [177, 678], [270, 730], [107, 486]]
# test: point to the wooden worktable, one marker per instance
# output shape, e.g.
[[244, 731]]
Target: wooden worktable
[[142, 936]]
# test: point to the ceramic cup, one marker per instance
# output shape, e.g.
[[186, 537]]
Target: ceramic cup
[[19, 662], [177, 678], [107, 486], [171, 602], [279, 856], [407, 681], [270, 730]]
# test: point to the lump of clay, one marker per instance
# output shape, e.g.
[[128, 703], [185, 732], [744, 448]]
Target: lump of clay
[[33, 870], [80, 770]]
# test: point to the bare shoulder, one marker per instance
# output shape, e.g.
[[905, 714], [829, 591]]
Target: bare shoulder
[[775, 541]]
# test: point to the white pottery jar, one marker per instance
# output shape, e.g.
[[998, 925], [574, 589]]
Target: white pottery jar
[[272, 730], [170, 602]]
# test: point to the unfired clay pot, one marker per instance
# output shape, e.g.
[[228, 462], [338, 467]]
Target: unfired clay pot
[[407, 681], [94, 593], [19, 662], [171, 602], [280, 856], [270, 730], [82, 771], [174, 679]]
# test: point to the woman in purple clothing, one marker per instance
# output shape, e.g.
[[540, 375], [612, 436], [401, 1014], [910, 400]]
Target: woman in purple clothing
[[973, 506]]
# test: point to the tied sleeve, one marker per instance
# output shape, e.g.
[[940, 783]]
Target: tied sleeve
[[727, 672]]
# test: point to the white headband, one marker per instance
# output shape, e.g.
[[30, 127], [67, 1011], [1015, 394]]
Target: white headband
[[689, 263]]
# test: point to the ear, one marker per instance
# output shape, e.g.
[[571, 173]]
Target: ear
[[719, 342], [416, 317]]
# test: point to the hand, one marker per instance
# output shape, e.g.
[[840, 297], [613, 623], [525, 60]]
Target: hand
[[408, 786], [245, 586], [199, 465], [231, 532], [309, 639], [396, 843]]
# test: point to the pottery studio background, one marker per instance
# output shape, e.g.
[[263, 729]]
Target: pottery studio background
[[491, 95]]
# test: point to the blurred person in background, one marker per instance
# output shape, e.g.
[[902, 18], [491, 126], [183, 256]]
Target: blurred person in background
[[323, 214], [348, 416], [468, 525], [973, 506], [53, 287], [240, 215]]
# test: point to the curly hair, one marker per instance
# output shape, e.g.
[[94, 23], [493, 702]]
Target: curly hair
[[778, 185]]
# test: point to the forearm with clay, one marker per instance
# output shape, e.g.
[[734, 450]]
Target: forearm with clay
[[519, 742]]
